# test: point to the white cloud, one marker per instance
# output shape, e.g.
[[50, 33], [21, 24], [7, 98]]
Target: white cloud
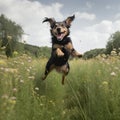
[[95, 36], [85, 15], [104, 26], [30, 15]]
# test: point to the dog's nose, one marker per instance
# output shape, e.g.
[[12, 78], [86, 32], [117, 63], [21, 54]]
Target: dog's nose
[[58, 30]]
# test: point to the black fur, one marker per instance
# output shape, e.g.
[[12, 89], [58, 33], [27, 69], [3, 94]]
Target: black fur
[[59, 61]]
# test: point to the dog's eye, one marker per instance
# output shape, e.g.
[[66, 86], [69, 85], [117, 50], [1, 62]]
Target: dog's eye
[[54, 26], [62, 25]]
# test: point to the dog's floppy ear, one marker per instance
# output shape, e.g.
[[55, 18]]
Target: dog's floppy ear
[[69, 20], [50, 20]]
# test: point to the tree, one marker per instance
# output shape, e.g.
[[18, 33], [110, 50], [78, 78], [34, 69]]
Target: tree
[[113, 43], [93, 53], [9, 28]]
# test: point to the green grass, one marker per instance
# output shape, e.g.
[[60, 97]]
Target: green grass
[[91, 90]]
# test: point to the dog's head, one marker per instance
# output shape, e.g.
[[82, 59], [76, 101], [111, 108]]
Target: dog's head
[[60, 30]]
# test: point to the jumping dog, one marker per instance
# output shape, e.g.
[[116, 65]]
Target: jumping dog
[[62, 47]]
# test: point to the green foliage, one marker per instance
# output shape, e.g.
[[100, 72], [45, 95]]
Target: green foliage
[[10, 33], [113, 43], [10, 28], [37, 51], [93, 53]]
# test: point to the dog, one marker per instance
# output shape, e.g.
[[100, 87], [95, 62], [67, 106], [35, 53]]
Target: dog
[[62, 47]]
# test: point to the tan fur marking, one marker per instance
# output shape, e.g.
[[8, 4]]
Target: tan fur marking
[[75, 54], [69, 46], [62, 69], [57, 46], [59, 52]]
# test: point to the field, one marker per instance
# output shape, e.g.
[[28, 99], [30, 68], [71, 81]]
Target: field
[[91, 90]]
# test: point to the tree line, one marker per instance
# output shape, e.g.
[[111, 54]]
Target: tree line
[[113, 44], [11, 37]]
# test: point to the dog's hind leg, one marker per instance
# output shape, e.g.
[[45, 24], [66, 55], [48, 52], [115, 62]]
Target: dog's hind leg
[[45, 74], [65, 72], [49, 67], [63, 78], [47, 71]]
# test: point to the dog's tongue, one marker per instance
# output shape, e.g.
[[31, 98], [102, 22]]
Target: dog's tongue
[[59, 36]]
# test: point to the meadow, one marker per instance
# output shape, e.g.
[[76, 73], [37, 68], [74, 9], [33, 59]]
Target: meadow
[[91, 90]]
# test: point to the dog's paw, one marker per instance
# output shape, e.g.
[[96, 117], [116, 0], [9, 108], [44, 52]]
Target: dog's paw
[[59, 53]]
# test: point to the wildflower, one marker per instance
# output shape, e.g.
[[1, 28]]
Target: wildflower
[[42, 97], [31, 77], [12, 101], [30, 67], [105, 83], [116, 68], [2, 68], [113, 74], [9, 37], [64, 112], [41, 104], [52, 102], [52, 118], [14, 89], [15, 53], [22, 63], [6, 70], [113, 53], [2, 62], [5, 96], [36, 88], [15, 62], [21, 81], [13, 70], [28, 70], [13, 98]]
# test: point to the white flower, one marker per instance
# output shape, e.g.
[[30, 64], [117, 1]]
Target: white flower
[[21, 81], [36, 88], [113, 74]]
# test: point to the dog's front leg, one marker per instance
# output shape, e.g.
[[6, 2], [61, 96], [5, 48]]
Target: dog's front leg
[[71, 49], [59, 53], [57, 50], [74, 53]]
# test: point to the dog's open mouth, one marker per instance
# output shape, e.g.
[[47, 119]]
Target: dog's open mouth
[[60, 35]]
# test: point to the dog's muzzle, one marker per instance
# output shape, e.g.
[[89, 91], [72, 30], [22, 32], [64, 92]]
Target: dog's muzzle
[[59, 34]]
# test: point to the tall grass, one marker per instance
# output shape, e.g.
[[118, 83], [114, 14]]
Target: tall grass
[[95, 90], [91, 90]]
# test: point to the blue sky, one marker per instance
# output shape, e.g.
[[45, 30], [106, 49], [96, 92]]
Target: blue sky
[[95, 20]]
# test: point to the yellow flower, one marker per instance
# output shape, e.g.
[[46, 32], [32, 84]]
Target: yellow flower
[[13, 102], [2, 62], [105, 83]]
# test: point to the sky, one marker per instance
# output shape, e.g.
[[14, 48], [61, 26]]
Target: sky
[[95, 20]]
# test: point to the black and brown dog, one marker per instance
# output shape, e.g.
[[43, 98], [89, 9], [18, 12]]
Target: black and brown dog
[[62, 47]]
